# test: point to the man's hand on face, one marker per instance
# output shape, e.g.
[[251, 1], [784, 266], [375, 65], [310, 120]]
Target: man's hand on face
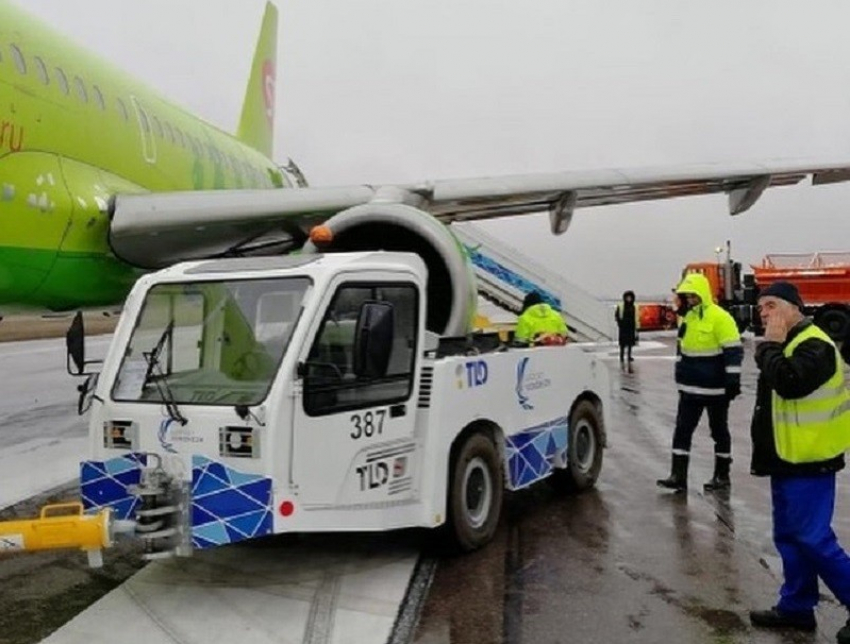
[[776, 329]]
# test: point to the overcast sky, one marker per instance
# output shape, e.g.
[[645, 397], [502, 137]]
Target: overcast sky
[[374, 91]]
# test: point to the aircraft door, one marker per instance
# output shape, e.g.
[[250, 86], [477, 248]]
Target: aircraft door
[[353, 425], [146, 131]]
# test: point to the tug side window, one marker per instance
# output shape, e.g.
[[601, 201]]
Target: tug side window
[[330, 382]]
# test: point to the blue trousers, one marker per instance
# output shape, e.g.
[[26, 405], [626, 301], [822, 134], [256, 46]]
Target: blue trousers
[[802, 531]]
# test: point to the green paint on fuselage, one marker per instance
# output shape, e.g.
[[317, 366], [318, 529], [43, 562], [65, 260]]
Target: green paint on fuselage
[[74, 131]]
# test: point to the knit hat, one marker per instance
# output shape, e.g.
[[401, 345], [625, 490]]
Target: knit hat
[[531, 299], [784, 291]]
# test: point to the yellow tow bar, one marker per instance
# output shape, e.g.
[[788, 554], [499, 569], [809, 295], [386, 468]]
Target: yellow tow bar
[[61, 525]]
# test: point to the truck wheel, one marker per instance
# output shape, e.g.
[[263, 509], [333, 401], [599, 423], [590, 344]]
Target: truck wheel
[[834, 320], [475, 493], [584, 452]]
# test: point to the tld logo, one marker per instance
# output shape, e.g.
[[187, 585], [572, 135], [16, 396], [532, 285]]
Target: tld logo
[[472, 374]]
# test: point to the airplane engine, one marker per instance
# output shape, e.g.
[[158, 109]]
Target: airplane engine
[[399, 227]]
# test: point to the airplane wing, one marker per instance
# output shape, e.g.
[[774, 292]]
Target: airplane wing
[[156, 229]]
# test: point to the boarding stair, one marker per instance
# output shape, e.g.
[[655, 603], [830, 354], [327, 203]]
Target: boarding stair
[[504, 276]]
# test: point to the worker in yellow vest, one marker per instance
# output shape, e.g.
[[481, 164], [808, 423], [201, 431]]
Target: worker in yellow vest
[[800, 430], [539, 322]]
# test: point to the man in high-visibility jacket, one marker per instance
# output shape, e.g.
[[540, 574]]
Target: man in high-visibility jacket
[[538, 319], [800, 429], [708, 376]]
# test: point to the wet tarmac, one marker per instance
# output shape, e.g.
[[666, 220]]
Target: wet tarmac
[[627, 561]]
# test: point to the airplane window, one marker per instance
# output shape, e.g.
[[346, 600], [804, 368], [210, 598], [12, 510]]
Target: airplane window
[[80, 86], [41, 70], [62, 80], [157, 126], [122, 109], [98, 97], [180, 139], [18, 57], [168, 131]]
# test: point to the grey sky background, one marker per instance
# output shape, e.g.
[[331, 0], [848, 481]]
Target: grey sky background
[[378, 91]]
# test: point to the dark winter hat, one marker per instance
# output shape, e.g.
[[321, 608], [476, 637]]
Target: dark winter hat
[[784, 291], [531, 299]]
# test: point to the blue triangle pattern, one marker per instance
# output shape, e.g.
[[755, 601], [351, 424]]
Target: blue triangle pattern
[[260, 491], [515, 463], [551, 446], [201, 544], [239, 479], [208, 484], [250, 524], [130, 477], [234, 535], [532, 457], [91, 471], [541, 442], [215, 533], [124, 509], [560, 435], [228, 503], [116, 466], [218, 470], [201, 516], [199, 462], [520, 440], [104, 492]]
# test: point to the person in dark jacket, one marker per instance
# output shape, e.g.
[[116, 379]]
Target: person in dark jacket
[[626, 316], [800, 429]]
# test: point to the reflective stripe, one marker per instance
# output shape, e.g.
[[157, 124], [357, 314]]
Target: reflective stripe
[[731, 344], [681, 452], [797, 417], [703, 391], [701, 353], [724, 455], [733, 369], [826, 393]]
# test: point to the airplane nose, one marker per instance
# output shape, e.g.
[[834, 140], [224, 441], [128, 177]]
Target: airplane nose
[[34, 212]]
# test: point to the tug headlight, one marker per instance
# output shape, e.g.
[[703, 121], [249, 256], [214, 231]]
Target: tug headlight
[[238, 442], [119, 434]]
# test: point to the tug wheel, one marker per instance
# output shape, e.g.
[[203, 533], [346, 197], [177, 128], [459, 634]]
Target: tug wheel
[[584, 451], [475, 493]]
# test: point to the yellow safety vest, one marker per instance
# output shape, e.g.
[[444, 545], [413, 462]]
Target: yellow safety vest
[[816, 427]]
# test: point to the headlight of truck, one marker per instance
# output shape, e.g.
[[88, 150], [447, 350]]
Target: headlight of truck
[[238, 442], [119, 434]]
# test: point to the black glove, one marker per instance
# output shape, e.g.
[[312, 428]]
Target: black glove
[[733, 391]]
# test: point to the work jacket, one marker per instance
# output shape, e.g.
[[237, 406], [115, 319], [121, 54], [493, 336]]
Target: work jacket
[[803, 372], [539, 319], [709, 351]]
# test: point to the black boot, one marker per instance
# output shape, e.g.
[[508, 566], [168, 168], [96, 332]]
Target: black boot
[[720, 480], [774, 618], [678, 479], [843, 634]]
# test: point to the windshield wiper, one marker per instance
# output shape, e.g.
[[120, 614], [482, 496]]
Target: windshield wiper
[[156, 374]]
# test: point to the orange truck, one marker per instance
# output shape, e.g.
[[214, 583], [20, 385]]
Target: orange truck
[[655, 316], [822, 278]]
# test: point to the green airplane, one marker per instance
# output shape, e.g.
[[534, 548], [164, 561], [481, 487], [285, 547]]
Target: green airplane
[[102, 179], [74, 131]]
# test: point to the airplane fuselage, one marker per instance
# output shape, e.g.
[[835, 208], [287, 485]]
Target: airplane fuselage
[[74, 131]]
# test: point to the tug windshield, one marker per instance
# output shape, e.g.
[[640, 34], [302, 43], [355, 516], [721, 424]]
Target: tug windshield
[[216, 343]]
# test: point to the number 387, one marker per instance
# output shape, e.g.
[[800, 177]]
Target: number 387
[[368, 424]]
